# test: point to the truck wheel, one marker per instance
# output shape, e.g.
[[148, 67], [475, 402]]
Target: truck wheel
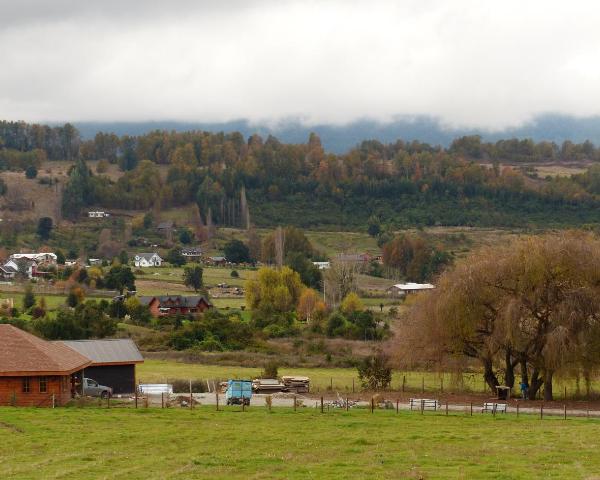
[[104, 395]]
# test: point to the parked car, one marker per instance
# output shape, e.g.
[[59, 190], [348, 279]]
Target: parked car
[[91, 388], [238, 392]]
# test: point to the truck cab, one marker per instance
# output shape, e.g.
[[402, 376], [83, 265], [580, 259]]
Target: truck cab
[[238, 392]]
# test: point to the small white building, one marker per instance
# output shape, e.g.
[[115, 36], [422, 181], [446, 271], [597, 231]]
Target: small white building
[[147, 260], [322, 265], [98, 214], [402, 289]]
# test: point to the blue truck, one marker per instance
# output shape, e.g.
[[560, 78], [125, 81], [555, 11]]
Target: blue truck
[[238, 392]]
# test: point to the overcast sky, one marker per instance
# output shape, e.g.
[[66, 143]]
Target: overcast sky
[[471, 63]]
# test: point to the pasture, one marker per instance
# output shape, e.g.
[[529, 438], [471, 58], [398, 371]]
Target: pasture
[[92, 443], [341, 379]]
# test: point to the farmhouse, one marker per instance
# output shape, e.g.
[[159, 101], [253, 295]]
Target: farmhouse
[[147, 260], [34, 372], [113, 361], [29, 267], [402, 289], [176, 304], [322, 265]]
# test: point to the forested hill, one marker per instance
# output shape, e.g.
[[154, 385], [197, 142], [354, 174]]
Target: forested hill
[[398, 183], [341, 138]]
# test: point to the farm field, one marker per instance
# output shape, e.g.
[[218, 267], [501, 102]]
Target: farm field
[[341, 378], [91, 443]]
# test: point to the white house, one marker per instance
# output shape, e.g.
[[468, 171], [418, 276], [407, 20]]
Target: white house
[[402, 289], [147, 260], [322, 265]]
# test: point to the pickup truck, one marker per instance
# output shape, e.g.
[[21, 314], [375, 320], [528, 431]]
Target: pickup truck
[[238, 392], [92, 389]]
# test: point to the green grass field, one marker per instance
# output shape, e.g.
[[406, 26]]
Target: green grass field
[[92, 443]]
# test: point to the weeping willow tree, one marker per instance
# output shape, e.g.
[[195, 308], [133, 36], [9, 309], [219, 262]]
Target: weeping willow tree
[[530, 308]]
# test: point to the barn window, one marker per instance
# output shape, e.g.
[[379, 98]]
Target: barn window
[[25, 387], [43, 384]]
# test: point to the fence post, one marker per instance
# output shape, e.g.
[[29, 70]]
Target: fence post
[[108, 401], [471, 408], [422, 406], [322, 405], [446, 407], [565, 406], [347, 404], [136, 396], [397, 405], [331, 383], [243, 405], [372, 404], [191, 398], [294, 403], [403, 382], [353, 385], [541, 411], [53, 401], [217, 396], [162, 400], [517, 409]]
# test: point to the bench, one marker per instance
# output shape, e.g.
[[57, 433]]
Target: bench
[[492, 407], [424, 404]]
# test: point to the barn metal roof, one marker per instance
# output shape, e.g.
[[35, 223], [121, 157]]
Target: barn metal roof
[[111, 351]]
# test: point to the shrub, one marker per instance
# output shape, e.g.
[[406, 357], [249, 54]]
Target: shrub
[[31, 172], [270, 370], [234, 274], [374, 372]]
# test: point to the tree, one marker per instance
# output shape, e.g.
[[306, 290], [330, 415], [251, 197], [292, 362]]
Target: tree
[[120, 277], [533, 304], [60, 257], [374, 372], [339, 280], [351, 303], [44, 228], [373, 226], [28, 297], [186, 236], [123, 258], [308, 304], [292, 240], [31, 172], [192, 277], [175, 257], [309, 273], [273, 297], [414, 257], [237, 251], [78, 190]]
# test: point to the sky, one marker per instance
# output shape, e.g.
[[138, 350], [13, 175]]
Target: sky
[[469, 63]]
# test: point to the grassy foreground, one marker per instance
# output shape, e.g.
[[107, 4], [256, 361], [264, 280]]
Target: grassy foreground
[[94, 443]]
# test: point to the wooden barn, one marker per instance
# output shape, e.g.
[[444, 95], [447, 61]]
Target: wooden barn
[[113, 362], [37, 373]]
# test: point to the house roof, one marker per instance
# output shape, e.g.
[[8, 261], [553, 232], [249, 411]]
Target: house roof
[[413, 286], [191, 250], [23, 354], [107, 352], [182, 301], [147, 256]]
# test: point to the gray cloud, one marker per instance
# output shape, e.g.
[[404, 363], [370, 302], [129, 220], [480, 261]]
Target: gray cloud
[[468, 62]]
